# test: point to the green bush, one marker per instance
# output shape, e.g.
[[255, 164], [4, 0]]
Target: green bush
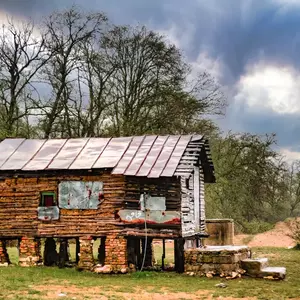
[[255, 227]]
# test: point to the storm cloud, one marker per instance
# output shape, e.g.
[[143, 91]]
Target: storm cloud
[[251, 47]]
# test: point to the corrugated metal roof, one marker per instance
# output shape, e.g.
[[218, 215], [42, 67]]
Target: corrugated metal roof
[[151, 156]]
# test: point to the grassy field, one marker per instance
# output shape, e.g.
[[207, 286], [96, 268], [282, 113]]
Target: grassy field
[[54, 283]]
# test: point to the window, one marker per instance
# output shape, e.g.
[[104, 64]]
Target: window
[[80, 194], [47, 199], [48, 209]]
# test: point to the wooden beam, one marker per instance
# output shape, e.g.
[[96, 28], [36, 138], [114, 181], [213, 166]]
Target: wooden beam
[[163, 255], [197, 198]]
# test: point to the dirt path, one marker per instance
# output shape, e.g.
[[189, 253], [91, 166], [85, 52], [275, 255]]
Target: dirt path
[[277, 237], [74, 292]]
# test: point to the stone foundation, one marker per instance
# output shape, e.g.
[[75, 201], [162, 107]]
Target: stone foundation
[[4, 258], [115, 256], [215, 260], [30, 252], [86, 258]]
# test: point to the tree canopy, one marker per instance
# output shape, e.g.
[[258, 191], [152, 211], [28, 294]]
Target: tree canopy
[[75, 74]]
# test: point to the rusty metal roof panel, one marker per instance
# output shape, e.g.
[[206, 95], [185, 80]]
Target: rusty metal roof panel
[[45, 155], [112, 153], [68, 153], [164, 156], [8, 147], [140, 156], [152, 156], [149, 156], [128, 155], [178, 151], [23, 154], [91, 152]]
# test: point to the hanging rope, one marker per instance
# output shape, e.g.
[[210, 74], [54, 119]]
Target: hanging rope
[[146, 237]]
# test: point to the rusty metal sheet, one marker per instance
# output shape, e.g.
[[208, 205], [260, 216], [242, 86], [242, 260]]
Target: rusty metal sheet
[[178, 151], [80, 194], [152, 156], [112, 153], [164, 156], [128, 155], [90, 153], [48, 213], [68, 153], [140, 156], [152, 203], [152, 217], [24, 153], [45, 155], [8, 147]]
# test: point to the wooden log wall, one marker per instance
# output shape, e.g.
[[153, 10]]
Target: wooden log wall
[[20, 197], [156, 187]]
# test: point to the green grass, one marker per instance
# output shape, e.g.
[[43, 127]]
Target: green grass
[[26, 283]]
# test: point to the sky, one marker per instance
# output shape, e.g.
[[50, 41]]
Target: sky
[[252, 47]]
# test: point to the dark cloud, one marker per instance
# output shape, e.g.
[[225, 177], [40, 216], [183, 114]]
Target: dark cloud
[[238, 33]]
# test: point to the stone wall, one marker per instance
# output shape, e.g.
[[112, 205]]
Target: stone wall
[[212, 260]]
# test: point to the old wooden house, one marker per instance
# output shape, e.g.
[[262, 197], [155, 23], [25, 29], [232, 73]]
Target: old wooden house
[[124, 191]]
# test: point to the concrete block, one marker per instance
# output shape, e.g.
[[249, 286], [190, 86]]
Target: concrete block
[[254, 266], [273, 273]]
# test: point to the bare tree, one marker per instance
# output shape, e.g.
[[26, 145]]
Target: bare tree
[[68, 31], [22, 55], [145, 68], [95, 74], [151, 88]]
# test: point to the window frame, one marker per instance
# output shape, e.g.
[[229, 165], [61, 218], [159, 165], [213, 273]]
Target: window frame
[[47, 193]]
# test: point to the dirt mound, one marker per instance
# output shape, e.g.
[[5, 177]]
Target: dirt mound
[[277, 237]]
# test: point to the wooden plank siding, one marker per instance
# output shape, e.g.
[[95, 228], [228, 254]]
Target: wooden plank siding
[[202, 201], [20, 197], [168, 187]]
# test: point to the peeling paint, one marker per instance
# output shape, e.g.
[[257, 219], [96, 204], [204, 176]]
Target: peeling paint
[[152, 217]]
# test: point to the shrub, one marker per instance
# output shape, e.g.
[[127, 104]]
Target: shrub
[[255, 227], [294, 226]]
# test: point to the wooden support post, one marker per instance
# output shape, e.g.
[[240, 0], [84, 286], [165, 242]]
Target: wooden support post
[[149, 252], [63, 256], [139, 258], [77, 250], [175, 255], [101, 251], [50, 253], [163, 255], [179, 255]]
